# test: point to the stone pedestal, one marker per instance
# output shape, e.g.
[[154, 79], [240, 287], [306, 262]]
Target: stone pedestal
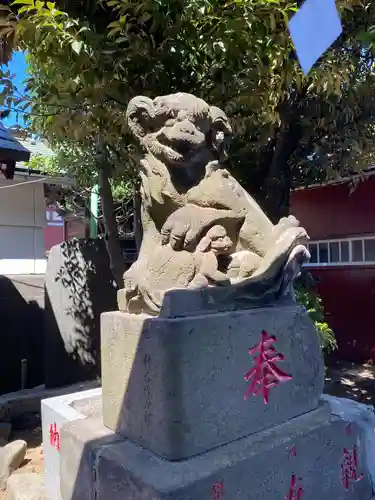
[[56, 412], [99, 464], [185, 414], [176, 386]]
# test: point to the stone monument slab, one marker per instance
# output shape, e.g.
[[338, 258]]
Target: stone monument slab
[[78, 288], [178, 388]]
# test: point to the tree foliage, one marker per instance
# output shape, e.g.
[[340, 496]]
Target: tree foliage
[[89, 58], [77, 162], [86, 166], [307, 295], [78, 166]]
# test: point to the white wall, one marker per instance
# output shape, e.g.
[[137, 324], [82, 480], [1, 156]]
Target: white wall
[[22, 221]]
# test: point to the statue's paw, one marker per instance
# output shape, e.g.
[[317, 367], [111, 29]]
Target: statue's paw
[[243, 264], [185, 227], [199, 281], [293, 236], [283, 225]]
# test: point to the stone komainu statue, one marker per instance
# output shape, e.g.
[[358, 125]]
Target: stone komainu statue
[[201, 228]]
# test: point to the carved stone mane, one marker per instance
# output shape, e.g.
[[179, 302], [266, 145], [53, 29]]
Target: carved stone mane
[[201, 228]]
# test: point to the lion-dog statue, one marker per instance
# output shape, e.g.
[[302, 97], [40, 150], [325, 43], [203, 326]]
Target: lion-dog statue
[[200, 227]]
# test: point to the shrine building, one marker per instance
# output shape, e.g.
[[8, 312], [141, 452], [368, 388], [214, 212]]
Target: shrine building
[[339, 217]]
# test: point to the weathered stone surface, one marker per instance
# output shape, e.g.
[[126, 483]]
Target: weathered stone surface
[[15, 404], [90, 407], [11, 457], [257, 467], [79, 287], [185, 303], [80, 441], [56, 412], [176, 386], [200, 227], [26, 486]]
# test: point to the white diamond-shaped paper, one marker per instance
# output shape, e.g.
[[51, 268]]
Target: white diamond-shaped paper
[[313, 29]]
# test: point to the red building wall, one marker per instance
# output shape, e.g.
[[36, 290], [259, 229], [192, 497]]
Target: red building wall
[[349, 300], [58, 230], [332, 211], [348, 292], [54, 232]]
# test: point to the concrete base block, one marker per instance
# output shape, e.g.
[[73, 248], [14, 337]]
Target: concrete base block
[[56, 412], [311, 457], [178, 388], [82, 442]]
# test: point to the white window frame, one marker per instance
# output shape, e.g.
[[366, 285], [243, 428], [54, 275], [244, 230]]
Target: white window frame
[[54, 219], [350, 262]]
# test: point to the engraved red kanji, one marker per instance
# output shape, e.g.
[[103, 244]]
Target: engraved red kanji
[[348, 468], [217, 490], [54, 437], [295, 491], [265, 373], [293, 451]]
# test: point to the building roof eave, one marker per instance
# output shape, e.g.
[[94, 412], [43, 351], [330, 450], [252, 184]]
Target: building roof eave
[[33, 176], [341, 180], [10, 148]]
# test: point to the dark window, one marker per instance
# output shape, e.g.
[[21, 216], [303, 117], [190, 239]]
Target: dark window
[[313, 249], [344, 251], [357, 251], [334, 251], [323, 253], [370, 250]]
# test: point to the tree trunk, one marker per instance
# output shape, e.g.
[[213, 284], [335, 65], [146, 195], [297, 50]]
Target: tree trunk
[[111, 234], [279, 179]]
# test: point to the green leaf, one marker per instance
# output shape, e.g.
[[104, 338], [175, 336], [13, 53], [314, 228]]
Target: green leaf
[[23, 2], [25, 8], [113, 24], [121, 39], [113, 31], [77, 46]]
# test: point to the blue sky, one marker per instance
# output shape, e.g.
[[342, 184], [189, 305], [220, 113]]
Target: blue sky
[[18, 67]]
